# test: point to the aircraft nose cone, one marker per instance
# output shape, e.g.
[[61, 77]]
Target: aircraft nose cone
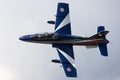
[[24, 38]]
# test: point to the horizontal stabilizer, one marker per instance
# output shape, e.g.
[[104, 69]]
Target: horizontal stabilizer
[[102, 46], [103, 49]]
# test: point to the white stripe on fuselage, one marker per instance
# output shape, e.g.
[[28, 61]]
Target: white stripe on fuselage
[[70, 59], [64, 22]]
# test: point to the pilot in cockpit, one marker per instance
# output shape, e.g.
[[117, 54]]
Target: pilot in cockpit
[[48, 35]]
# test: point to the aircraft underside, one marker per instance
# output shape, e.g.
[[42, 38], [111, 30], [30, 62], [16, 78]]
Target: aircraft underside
[[78, 42], [63, 40]]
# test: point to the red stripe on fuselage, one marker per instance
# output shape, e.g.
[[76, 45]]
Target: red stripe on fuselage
[[87, 42], [90, 42]]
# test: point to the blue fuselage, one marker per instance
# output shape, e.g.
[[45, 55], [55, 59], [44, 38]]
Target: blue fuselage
[[55, 38]]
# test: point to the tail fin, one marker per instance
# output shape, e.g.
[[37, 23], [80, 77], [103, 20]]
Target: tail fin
[[102, 46], [100, 34]]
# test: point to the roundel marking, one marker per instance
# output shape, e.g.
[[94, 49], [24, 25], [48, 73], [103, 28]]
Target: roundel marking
[[69, 69], [62, 9]]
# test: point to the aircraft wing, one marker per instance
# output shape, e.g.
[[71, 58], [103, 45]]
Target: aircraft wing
[[67, 59], [62, 24], [65, 51]]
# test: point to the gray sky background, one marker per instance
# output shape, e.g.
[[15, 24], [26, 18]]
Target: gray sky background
[[28, 61]]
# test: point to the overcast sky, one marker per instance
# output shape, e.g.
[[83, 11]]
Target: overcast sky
[[29, 61]]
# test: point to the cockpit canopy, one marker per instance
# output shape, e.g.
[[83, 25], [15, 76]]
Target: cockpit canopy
[[45, 35]]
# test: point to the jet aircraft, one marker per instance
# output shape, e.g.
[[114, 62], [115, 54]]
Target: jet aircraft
[[63, 40]]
